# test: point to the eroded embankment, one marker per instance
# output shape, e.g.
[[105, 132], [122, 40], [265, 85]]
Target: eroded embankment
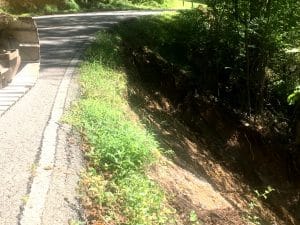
[[208, 139]]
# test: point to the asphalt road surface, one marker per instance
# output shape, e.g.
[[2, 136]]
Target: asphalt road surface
[[39, 156]]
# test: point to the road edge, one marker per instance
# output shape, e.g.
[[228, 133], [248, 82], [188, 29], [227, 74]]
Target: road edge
[[33, 209]]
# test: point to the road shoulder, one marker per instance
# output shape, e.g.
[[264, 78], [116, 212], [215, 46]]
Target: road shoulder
[[62, 203]]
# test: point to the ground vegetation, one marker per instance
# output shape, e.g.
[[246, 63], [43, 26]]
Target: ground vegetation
[[37, 7]]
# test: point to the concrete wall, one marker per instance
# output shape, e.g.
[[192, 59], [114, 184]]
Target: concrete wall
[[22, 34]]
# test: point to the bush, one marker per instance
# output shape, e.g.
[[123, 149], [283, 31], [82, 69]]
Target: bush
[[71, 5], [244, 64], [50, 9]]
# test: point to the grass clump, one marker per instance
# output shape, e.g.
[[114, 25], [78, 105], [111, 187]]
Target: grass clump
[[119, 146], [145, 201], [120, 149]]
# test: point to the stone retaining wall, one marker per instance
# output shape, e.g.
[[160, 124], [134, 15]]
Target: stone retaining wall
[[19, 43]]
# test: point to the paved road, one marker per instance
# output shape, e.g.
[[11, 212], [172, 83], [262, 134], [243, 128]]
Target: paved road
[[24, 127]]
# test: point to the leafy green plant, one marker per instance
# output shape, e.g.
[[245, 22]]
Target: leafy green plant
[[145, 202], [294, 97], [265, 193], [119, 145], [50, 9], [251, 216], [120, 149], [72, 5], [193, 218]]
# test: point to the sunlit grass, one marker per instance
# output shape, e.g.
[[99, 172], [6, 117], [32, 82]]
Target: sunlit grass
[[120, 149], [180, 4], [98, 6]]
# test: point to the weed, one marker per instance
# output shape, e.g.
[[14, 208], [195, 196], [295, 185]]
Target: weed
[[265, 193], [33, 169], [145, 201], [251, 216], [193, 218], [119, 145], [25, 199], [72, 6], [120, 148], [50, 9]]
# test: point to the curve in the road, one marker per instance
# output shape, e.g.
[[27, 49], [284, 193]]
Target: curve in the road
[[29, 129]]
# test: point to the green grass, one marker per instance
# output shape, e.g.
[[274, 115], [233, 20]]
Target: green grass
[[179, 4], [72, 7], [120, 146], [120, 149]]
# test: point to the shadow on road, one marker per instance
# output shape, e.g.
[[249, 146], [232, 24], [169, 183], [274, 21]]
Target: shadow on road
[[62, 36]]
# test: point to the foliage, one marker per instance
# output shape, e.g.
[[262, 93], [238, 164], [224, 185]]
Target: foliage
[[262, 29], [145, 202], [120, 149], [55, 6], [72, 5], [41, 6], [251, 216], [294, 97], [265, 193], [120, 146], [134, 200], [97, 3], [194, 218], [237, 52], [50, 9]]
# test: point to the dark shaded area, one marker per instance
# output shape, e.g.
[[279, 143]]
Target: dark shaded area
[[214, 53], [212, 140]]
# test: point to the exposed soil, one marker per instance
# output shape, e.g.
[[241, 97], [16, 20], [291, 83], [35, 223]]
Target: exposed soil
[[188, 193], [209, 141]]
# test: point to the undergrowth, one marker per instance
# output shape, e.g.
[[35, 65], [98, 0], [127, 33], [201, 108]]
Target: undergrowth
[[37, 7], [119, 148]]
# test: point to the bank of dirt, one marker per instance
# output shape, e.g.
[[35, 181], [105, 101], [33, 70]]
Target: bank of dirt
[[236, 156]]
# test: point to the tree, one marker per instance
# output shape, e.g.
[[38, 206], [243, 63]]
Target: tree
[[263, 29]]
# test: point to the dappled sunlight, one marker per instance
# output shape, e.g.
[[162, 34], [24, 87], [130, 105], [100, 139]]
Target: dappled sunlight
[[63, 36], [207, 140]]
